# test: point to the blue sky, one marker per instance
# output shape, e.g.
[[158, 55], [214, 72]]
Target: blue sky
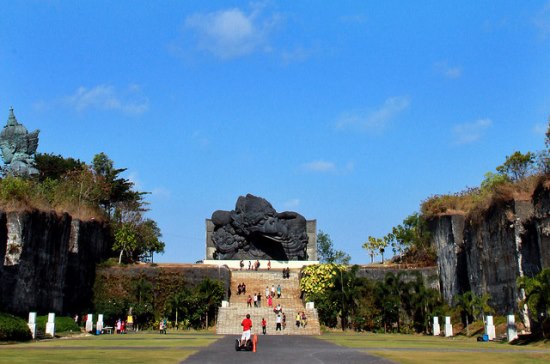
[[348, 112]]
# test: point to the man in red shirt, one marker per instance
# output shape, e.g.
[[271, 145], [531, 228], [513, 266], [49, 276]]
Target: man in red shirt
[[246, 324]]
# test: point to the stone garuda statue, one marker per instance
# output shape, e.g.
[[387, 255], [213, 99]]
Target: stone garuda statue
[[18, 148], [254, 230]]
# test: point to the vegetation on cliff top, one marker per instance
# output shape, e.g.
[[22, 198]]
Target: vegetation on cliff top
[[515, 179], [87, 192]]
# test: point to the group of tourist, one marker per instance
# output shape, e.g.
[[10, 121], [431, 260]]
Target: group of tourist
[[241, 288], [274, 291], [301, 319], [257, 299], [120, 327], [163, 325], [255, 265]]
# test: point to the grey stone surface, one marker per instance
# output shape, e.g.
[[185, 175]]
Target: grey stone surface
[[487, 254], [48, 261]]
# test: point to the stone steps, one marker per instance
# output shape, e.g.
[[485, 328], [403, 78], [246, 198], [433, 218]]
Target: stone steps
[[229, 318]]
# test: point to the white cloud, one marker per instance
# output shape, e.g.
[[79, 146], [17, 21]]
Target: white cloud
[[106, 97], [161, 192], [232, 33], [134, 178], [292, 204], [467, 133], [542, 20], [320, 166], [447, 70], [540, 128], [376, 120]]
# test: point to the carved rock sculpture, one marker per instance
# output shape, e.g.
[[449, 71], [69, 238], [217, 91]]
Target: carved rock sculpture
[[18, 147], [254, 230]]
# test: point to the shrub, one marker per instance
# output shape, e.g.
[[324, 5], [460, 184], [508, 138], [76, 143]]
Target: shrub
[[62, 324], [13, 328]]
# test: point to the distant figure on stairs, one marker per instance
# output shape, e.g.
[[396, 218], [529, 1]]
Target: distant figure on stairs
[[278, 291], [249, 301], [269, 265], [278, 322], [264, 326], [241, 264]]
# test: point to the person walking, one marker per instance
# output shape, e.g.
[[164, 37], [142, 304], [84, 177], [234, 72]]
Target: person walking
[[264, 326], [298, 319], [246, 323], [249, 301], [278, 322], [278, 291]]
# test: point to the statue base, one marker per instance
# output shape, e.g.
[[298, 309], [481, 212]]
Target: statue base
[[275, 264]]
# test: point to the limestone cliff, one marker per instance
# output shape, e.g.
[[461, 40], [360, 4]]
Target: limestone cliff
[[47, 261], [487, 254]]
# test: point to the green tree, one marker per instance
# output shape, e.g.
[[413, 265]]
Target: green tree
[[492, 180], [375, 245], [119, 192], [517, 166], [149, 236], [537, 297], [465, 304], [51, 166], [326, 252], [126, 240]]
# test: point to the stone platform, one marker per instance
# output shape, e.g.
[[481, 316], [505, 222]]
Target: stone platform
[[275, 264]]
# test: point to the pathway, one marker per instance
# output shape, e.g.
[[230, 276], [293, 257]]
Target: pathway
[[282, 349]]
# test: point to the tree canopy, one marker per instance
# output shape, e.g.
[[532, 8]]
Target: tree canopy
[[326, 252]]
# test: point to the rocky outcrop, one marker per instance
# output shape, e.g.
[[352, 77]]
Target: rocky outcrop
[[47, 261], [429, 274], [488, 253]]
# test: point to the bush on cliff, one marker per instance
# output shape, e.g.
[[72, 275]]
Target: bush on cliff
[[13, 328]]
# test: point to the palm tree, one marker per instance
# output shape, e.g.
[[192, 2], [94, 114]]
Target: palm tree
[[537, 297], [465, 304]]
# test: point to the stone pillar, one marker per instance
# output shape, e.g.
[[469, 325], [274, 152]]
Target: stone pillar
[[90, 323], [32, 324], [511, 330], [50, 325], [99, 324], [448, 327], [436, 327], [490, 328]]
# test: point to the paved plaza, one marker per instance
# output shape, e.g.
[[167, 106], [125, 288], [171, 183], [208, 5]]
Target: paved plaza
[[283, 350]]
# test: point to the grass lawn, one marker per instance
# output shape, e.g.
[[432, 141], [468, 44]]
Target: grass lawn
[[132, 348], [412, 349]]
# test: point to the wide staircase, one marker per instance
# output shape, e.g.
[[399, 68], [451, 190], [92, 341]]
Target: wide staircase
[[229, 318]]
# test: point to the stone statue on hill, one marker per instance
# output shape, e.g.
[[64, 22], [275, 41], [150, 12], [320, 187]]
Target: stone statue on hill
[[18, 148], [254, 230]]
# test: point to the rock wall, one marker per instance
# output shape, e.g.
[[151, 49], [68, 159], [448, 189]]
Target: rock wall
[[429, 274], [47, 261], [487, 254]]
